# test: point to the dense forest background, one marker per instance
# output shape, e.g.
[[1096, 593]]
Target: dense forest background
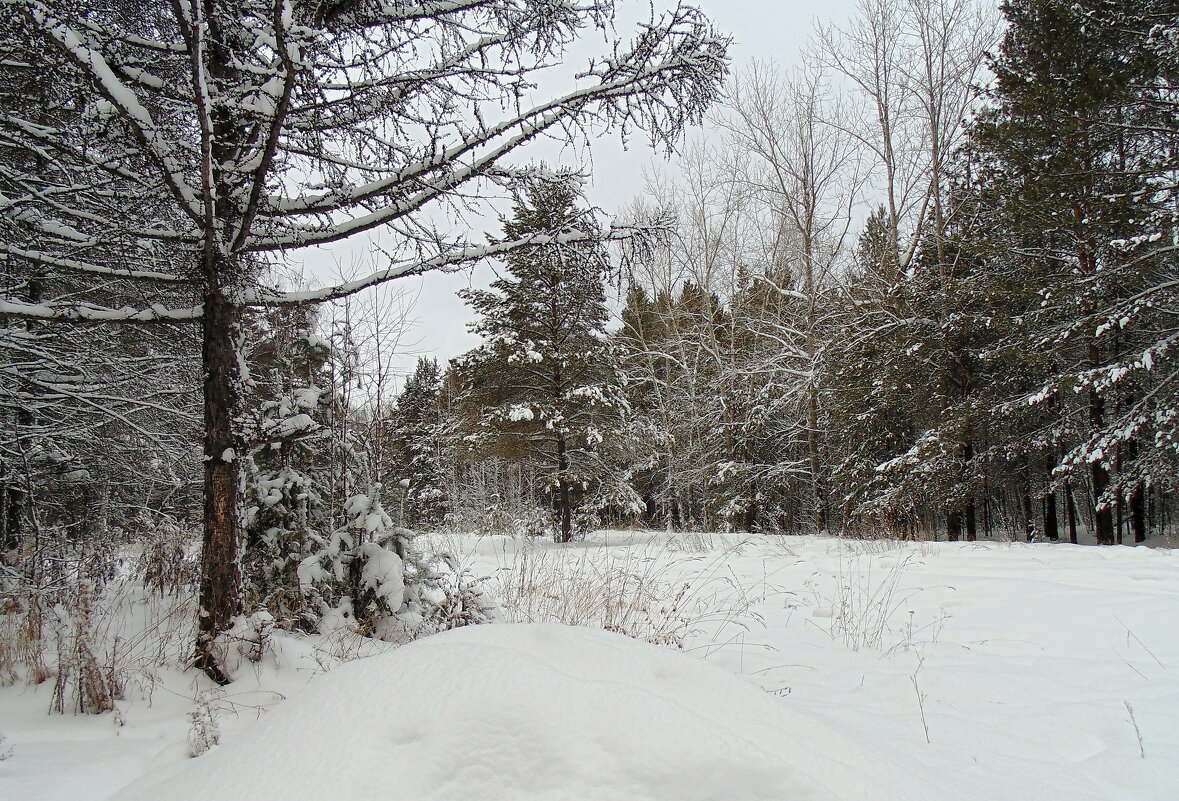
[[922, 286]]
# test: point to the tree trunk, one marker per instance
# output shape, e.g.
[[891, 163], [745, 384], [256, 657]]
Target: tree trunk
[[220, 591], [1136, 499], [1070, 506], [1029, 527], [953, 525], [13, 502], [819, 511], [986, 501], [564, 510], [1051, 525], [1103, 515], [1138, 513], [7, 542], [971, 517], [1103, 519], [16, 495]]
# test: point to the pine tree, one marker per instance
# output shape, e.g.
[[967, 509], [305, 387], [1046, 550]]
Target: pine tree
[[544, 382], [1075, 166], [288, 499], [419, 420], [875, 390]]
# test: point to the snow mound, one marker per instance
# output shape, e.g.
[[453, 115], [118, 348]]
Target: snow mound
[[503, 712]]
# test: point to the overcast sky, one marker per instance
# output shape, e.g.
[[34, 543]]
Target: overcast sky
[[771, 30]]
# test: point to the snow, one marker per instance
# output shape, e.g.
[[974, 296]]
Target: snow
[[133, 111], [519, 413], [789, 668], [530, 711], [383, 573]]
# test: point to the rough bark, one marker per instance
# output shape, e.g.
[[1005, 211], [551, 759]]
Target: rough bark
[[220, 590]]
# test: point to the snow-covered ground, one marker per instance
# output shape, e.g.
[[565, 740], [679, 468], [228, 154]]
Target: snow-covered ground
[[786, 668]]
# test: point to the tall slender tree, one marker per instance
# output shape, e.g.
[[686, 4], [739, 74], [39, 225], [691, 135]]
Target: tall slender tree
[[544, 384], [418, 425]]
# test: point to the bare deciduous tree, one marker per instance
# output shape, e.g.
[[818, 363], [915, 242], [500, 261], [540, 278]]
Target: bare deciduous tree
[[806, 171]]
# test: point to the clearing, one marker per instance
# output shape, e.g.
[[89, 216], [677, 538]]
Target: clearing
[[781, 668]]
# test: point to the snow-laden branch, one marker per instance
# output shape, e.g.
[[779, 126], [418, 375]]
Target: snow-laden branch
[[88, 312], [449, 260], [49, 260], [152, 139], [355, 13], [526, 126]]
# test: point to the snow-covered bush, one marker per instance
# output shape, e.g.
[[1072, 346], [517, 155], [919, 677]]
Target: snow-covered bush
[[322, 554], [355, 575], [445, 596], [247, 640], [369, 575]]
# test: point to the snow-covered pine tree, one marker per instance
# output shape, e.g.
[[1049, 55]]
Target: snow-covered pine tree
[[321, 551], [874, 389], [1076, 169], [288, 490], [544, 385], [419, 440]]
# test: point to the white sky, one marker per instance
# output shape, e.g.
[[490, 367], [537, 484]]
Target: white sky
[[770, 30]]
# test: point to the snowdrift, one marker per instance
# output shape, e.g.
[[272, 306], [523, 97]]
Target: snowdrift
[[505, 712]]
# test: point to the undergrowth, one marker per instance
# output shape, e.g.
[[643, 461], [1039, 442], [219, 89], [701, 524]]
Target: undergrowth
[[652, 592], [864, 599]]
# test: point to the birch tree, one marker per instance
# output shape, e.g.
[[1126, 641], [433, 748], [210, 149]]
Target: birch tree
[[914, 66]]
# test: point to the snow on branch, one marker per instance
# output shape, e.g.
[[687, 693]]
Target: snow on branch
[[49, 260], [86, 312], [274, 125], [154, 141], [635, 235]]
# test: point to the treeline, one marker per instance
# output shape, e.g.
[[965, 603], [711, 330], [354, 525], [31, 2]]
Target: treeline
[[923, 283], [986, 353]]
